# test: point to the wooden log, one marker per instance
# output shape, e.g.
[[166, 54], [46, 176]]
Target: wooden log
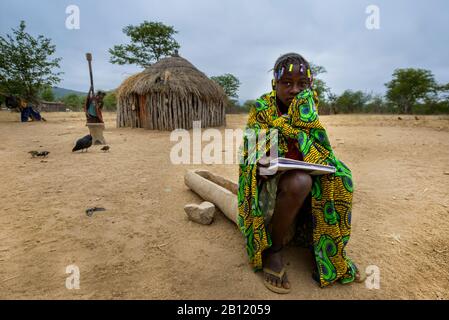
[[151, 110], [125, 112], [129, 111], [117, 119], [148, 107], [184, 113], [187, 114], [172, 111], [169, 106], [175, 111], [180, 114], [160, 113], [164, 113], [154, 109], [176, 101], [215, 189], [203, 117], [120, 116], [161, 108], [195, 110], [132, 114], [165, 110], [190, 112]]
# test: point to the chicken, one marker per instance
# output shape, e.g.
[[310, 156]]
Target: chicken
[[83, 144]]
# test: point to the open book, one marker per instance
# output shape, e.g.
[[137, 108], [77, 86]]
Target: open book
[[284, 164]]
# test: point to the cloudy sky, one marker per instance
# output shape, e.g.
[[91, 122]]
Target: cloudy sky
[[245, 37]]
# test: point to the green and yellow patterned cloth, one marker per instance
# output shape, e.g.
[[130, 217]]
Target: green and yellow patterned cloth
[[331, 194]]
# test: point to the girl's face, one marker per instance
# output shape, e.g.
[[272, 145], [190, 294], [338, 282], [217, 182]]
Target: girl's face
[[290, 84]]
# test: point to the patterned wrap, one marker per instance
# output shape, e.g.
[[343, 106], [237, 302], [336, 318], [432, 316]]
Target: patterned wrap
[[331, 195]]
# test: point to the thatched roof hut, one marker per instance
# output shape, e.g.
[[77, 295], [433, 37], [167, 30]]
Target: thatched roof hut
[[170, 94]]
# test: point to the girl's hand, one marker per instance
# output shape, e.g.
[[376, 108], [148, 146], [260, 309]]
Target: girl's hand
[[264, 162]]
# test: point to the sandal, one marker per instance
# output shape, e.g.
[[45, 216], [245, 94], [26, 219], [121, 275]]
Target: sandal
[[278, 275]]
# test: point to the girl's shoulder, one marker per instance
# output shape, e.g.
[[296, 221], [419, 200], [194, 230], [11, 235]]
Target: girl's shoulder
[[265, 101]]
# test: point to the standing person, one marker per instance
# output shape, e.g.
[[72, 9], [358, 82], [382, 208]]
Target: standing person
[[293, 206], [93, 107]]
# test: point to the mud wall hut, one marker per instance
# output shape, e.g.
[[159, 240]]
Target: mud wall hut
[[168, 95]]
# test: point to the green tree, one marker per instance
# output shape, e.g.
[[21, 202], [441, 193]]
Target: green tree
[[376, 104], [319, 85], [47, 94], [352, 101], [233, 106], [26, 66], [317, 69], [73, 101], [248, 104], [410, 85], [110, 101], [149, 42], [229, 83]]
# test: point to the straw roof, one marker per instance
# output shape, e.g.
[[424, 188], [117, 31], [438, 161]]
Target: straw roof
[[172, 74]]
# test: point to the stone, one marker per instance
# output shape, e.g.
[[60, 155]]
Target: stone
[[96, 131], [202, 214]]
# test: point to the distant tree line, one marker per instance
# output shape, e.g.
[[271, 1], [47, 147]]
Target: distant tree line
[[28, 69], [411, 91], [76, 102]]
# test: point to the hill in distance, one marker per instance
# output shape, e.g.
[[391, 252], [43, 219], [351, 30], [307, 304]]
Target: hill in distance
[[62, 92]]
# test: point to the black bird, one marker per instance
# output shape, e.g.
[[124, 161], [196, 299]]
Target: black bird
[[33, 153], [105, 148], [43, 154], [83, 144]]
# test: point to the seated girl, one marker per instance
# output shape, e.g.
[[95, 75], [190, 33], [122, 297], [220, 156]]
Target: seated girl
[[292, 206]]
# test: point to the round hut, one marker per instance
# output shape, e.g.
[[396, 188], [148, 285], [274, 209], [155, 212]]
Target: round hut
[[168, 95]]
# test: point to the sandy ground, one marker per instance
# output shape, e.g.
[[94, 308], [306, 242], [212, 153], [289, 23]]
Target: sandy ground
[[144, 247]]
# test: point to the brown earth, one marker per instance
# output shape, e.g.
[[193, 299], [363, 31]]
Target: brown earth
[[143, 246]]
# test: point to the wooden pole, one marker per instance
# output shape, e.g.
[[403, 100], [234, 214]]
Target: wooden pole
[[89, 61]]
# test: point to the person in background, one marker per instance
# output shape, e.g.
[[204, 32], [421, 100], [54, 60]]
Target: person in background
[[93, 107]]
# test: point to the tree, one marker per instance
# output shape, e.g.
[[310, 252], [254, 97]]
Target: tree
[[110, 101], [73, 101], [248, 104], [410, 85], [376, 104], [149, 42], [352, 101], [229, 83], [319, 85], [317, 69], [47, 94], [26, 66]]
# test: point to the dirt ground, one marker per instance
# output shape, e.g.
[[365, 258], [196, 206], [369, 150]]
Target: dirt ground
[[144, 247]]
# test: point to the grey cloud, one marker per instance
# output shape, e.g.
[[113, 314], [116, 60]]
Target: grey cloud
[[246, 37]]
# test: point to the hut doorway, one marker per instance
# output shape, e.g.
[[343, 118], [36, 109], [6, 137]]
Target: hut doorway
[[142, 111]]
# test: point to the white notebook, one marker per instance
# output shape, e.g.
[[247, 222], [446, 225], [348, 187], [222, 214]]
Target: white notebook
[[284, 164]]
